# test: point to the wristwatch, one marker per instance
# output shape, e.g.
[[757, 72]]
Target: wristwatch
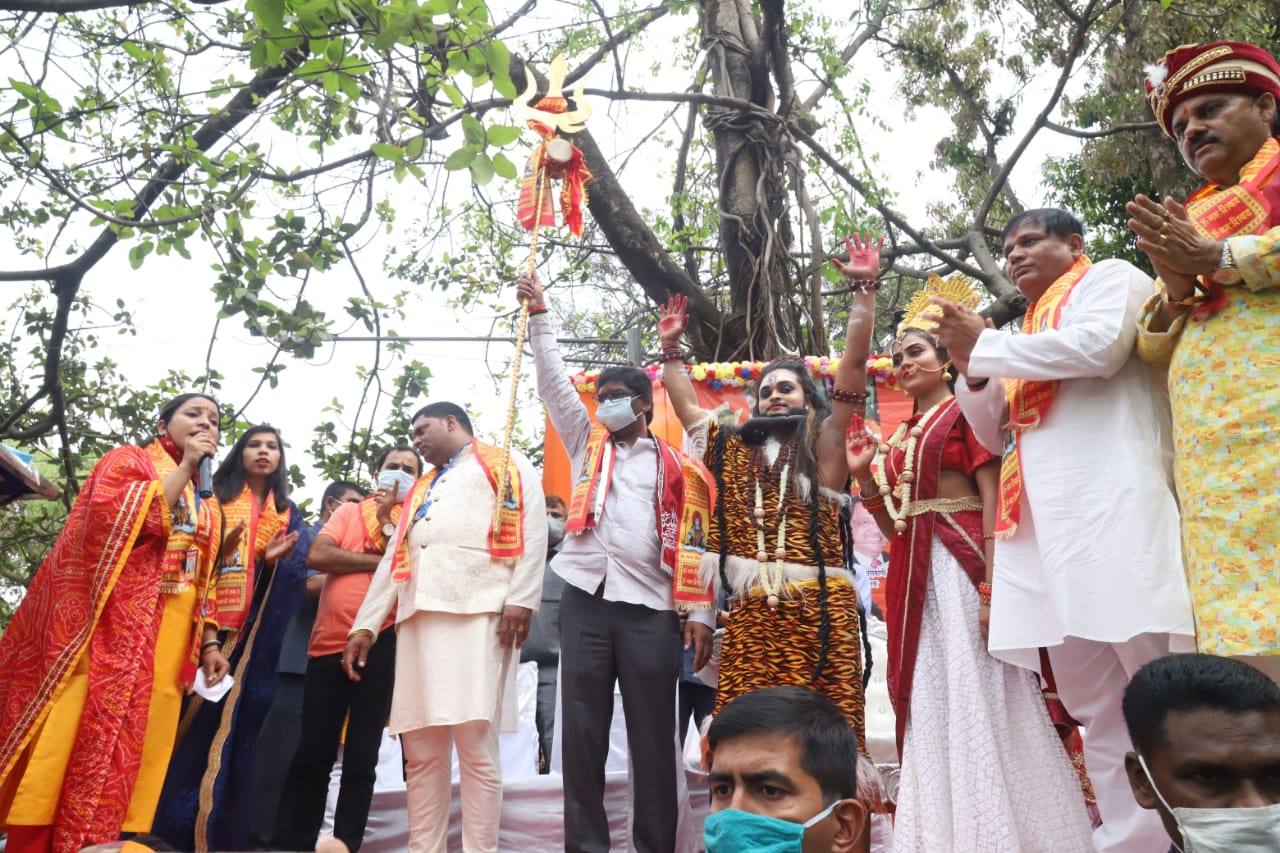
[[1227, 271], [388, 530]]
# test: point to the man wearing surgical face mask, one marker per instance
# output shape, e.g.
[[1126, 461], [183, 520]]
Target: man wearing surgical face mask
[[347, 549], [622, 566], [1206, 731], [783, 776]]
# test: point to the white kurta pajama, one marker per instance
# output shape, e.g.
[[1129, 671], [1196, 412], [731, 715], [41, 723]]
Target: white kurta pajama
[[454, 681], [1094, 570]]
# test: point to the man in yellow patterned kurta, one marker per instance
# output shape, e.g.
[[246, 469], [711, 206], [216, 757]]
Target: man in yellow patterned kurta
[[1215, 321]]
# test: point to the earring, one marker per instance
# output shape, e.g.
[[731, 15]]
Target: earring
[[946, 373]]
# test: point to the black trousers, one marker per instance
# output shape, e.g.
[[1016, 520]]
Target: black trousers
[[277, 746], [696, 700], [638, 647], [328, 700]]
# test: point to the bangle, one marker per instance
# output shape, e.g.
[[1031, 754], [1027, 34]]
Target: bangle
[[984, 592], [977, 386], [988, 537], [671, 353], [857, 398], [1193, 299], [873, 504], [212, 644], [535, 310], [360, 632]]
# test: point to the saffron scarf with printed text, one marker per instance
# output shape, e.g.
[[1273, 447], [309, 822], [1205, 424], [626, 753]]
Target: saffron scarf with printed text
[[1031, 399], [506, 531], [682, 507], [1248, 207], [233, 588]]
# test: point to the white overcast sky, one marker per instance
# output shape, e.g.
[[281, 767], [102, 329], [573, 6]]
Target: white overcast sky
[[461, 370]]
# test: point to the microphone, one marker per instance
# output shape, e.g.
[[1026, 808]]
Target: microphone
[[204, 477]]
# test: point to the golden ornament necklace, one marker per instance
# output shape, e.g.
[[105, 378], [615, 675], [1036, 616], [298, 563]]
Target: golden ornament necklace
[[904, 492]]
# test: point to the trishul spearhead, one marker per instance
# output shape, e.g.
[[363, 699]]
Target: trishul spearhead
[[553, 109]]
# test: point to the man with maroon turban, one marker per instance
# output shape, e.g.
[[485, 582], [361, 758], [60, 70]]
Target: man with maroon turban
[[1215, 321]]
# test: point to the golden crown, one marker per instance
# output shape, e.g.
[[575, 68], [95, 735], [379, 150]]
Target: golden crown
[[920, 313]]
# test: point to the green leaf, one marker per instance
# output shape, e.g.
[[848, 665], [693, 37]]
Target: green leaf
[[414, 148], [451, 92], [473, 131], [502, 134], [137, 52], [504, 167], [459, 159], [25, 89], [270, 14], [386, 151], [139, 253], [498, 57], [505, 86], [482, 170]]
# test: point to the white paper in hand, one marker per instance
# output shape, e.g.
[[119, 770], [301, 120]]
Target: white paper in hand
[[217, 691]]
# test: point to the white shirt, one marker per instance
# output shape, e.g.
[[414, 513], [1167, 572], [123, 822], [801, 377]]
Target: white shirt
[[1097, 553], [622, 550], [450, 567]]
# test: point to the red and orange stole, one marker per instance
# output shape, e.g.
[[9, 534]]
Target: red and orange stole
[[233, 588], [98, 592], [1030, 400], [1249, 207], [506, 531], [684, 497]]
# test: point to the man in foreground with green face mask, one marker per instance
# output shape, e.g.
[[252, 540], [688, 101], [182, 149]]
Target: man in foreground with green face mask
[[783, 776]]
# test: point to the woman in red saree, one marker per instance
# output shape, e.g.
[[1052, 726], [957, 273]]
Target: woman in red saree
[[983, 767], [95, 661]]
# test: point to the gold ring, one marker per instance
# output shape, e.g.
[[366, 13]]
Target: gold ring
[[1166, 215], [1164, 228], [1163, 238]]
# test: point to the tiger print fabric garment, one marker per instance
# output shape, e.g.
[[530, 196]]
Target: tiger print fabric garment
[[737, 474], [767, 649]]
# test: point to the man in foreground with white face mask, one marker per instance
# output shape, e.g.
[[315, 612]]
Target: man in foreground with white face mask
[[628, 565], [1207, 734], [783, 776]]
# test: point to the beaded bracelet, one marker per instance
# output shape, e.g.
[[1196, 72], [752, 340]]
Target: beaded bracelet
[[858, 398], [671, 354], [984, 592], [866, 285]]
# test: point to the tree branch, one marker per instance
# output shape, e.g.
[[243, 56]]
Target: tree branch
[[1114, 130]]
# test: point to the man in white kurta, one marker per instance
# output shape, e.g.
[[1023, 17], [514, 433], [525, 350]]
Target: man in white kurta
[[1093, 571], [460, 616]]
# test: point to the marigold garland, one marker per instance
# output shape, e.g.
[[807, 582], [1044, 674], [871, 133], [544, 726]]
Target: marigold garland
[[736, 374]]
